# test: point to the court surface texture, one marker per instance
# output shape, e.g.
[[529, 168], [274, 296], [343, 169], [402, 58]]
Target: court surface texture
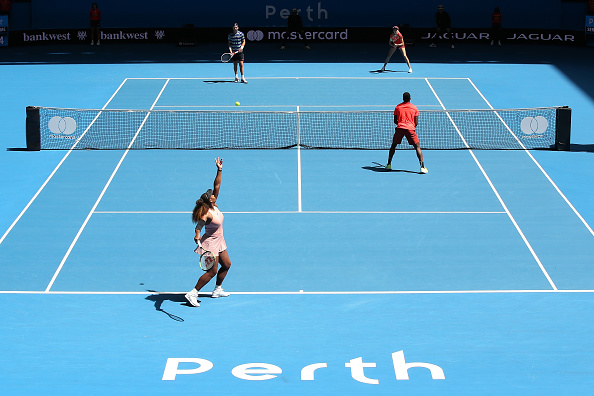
[[476, 278]]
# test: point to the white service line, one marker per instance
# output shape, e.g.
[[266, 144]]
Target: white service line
[[78, 234], [300, 292], [299, 78], [511, 217], [300, 212], [56, 168], [364, 107]]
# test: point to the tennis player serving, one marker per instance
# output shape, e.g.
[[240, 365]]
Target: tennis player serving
[[406, 118], [207, 215], [396, 42]]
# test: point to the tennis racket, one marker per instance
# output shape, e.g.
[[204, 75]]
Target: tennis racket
[[226, 57], [207, 258]]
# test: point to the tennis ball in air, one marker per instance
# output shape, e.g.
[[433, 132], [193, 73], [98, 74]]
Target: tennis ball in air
[[237, 103]]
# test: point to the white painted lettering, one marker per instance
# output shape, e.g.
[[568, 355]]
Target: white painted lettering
[[256, 371], [307, 373], [266, 371], [172, 367], [357, 371], [401, 367]]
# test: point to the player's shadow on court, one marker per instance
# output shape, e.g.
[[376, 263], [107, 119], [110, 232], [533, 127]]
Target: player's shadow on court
[[583, 148], [381, 168], [387, 71], [219, 81], [159, 299]]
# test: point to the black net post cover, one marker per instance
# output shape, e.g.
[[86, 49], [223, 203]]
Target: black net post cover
[[33, 129]]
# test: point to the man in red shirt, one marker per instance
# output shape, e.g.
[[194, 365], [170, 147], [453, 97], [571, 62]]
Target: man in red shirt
[[406, 118]]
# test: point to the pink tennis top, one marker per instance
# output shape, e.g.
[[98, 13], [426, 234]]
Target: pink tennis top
[[213, 239]]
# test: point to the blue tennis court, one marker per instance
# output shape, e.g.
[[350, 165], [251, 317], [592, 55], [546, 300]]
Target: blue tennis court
[[475, 278]]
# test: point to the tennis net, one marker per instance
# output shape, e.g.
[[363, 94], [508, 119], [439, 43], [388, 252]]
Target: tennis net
[[63, 129]]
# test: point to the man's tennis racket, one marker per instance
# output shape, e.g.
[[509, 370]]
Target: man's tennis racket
[[226, 57]]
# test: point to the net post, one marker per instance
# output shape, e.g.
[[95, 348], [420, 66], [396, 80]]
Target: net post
[[563, 129], [33, 129]]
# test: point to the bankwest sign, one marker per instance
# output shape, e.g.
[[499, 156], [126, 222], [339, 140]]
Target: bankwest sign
[[81, 36]]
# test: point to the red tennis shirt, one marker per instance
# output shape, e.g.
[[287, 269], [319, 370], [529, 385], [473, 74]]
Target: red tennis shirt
[[397, 38], [406, 112]]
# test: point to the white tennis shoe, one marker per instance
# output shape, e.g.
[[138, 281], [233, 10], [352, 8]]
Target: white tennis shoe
[[192, 299], [219, 292]]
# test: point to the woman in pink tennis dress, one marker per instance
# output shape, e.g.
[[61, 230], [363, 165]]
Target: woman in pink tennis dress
[[396, 41], [207, 215]]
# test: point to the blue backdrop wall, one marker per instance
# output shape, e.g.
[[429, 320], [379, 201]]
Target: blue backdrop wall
[[539, 14]]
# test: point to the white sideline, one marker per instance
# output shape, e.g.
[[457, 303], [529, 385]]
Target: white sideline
[[539, 167], [78, 234], [55, 170], [511, 217]]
